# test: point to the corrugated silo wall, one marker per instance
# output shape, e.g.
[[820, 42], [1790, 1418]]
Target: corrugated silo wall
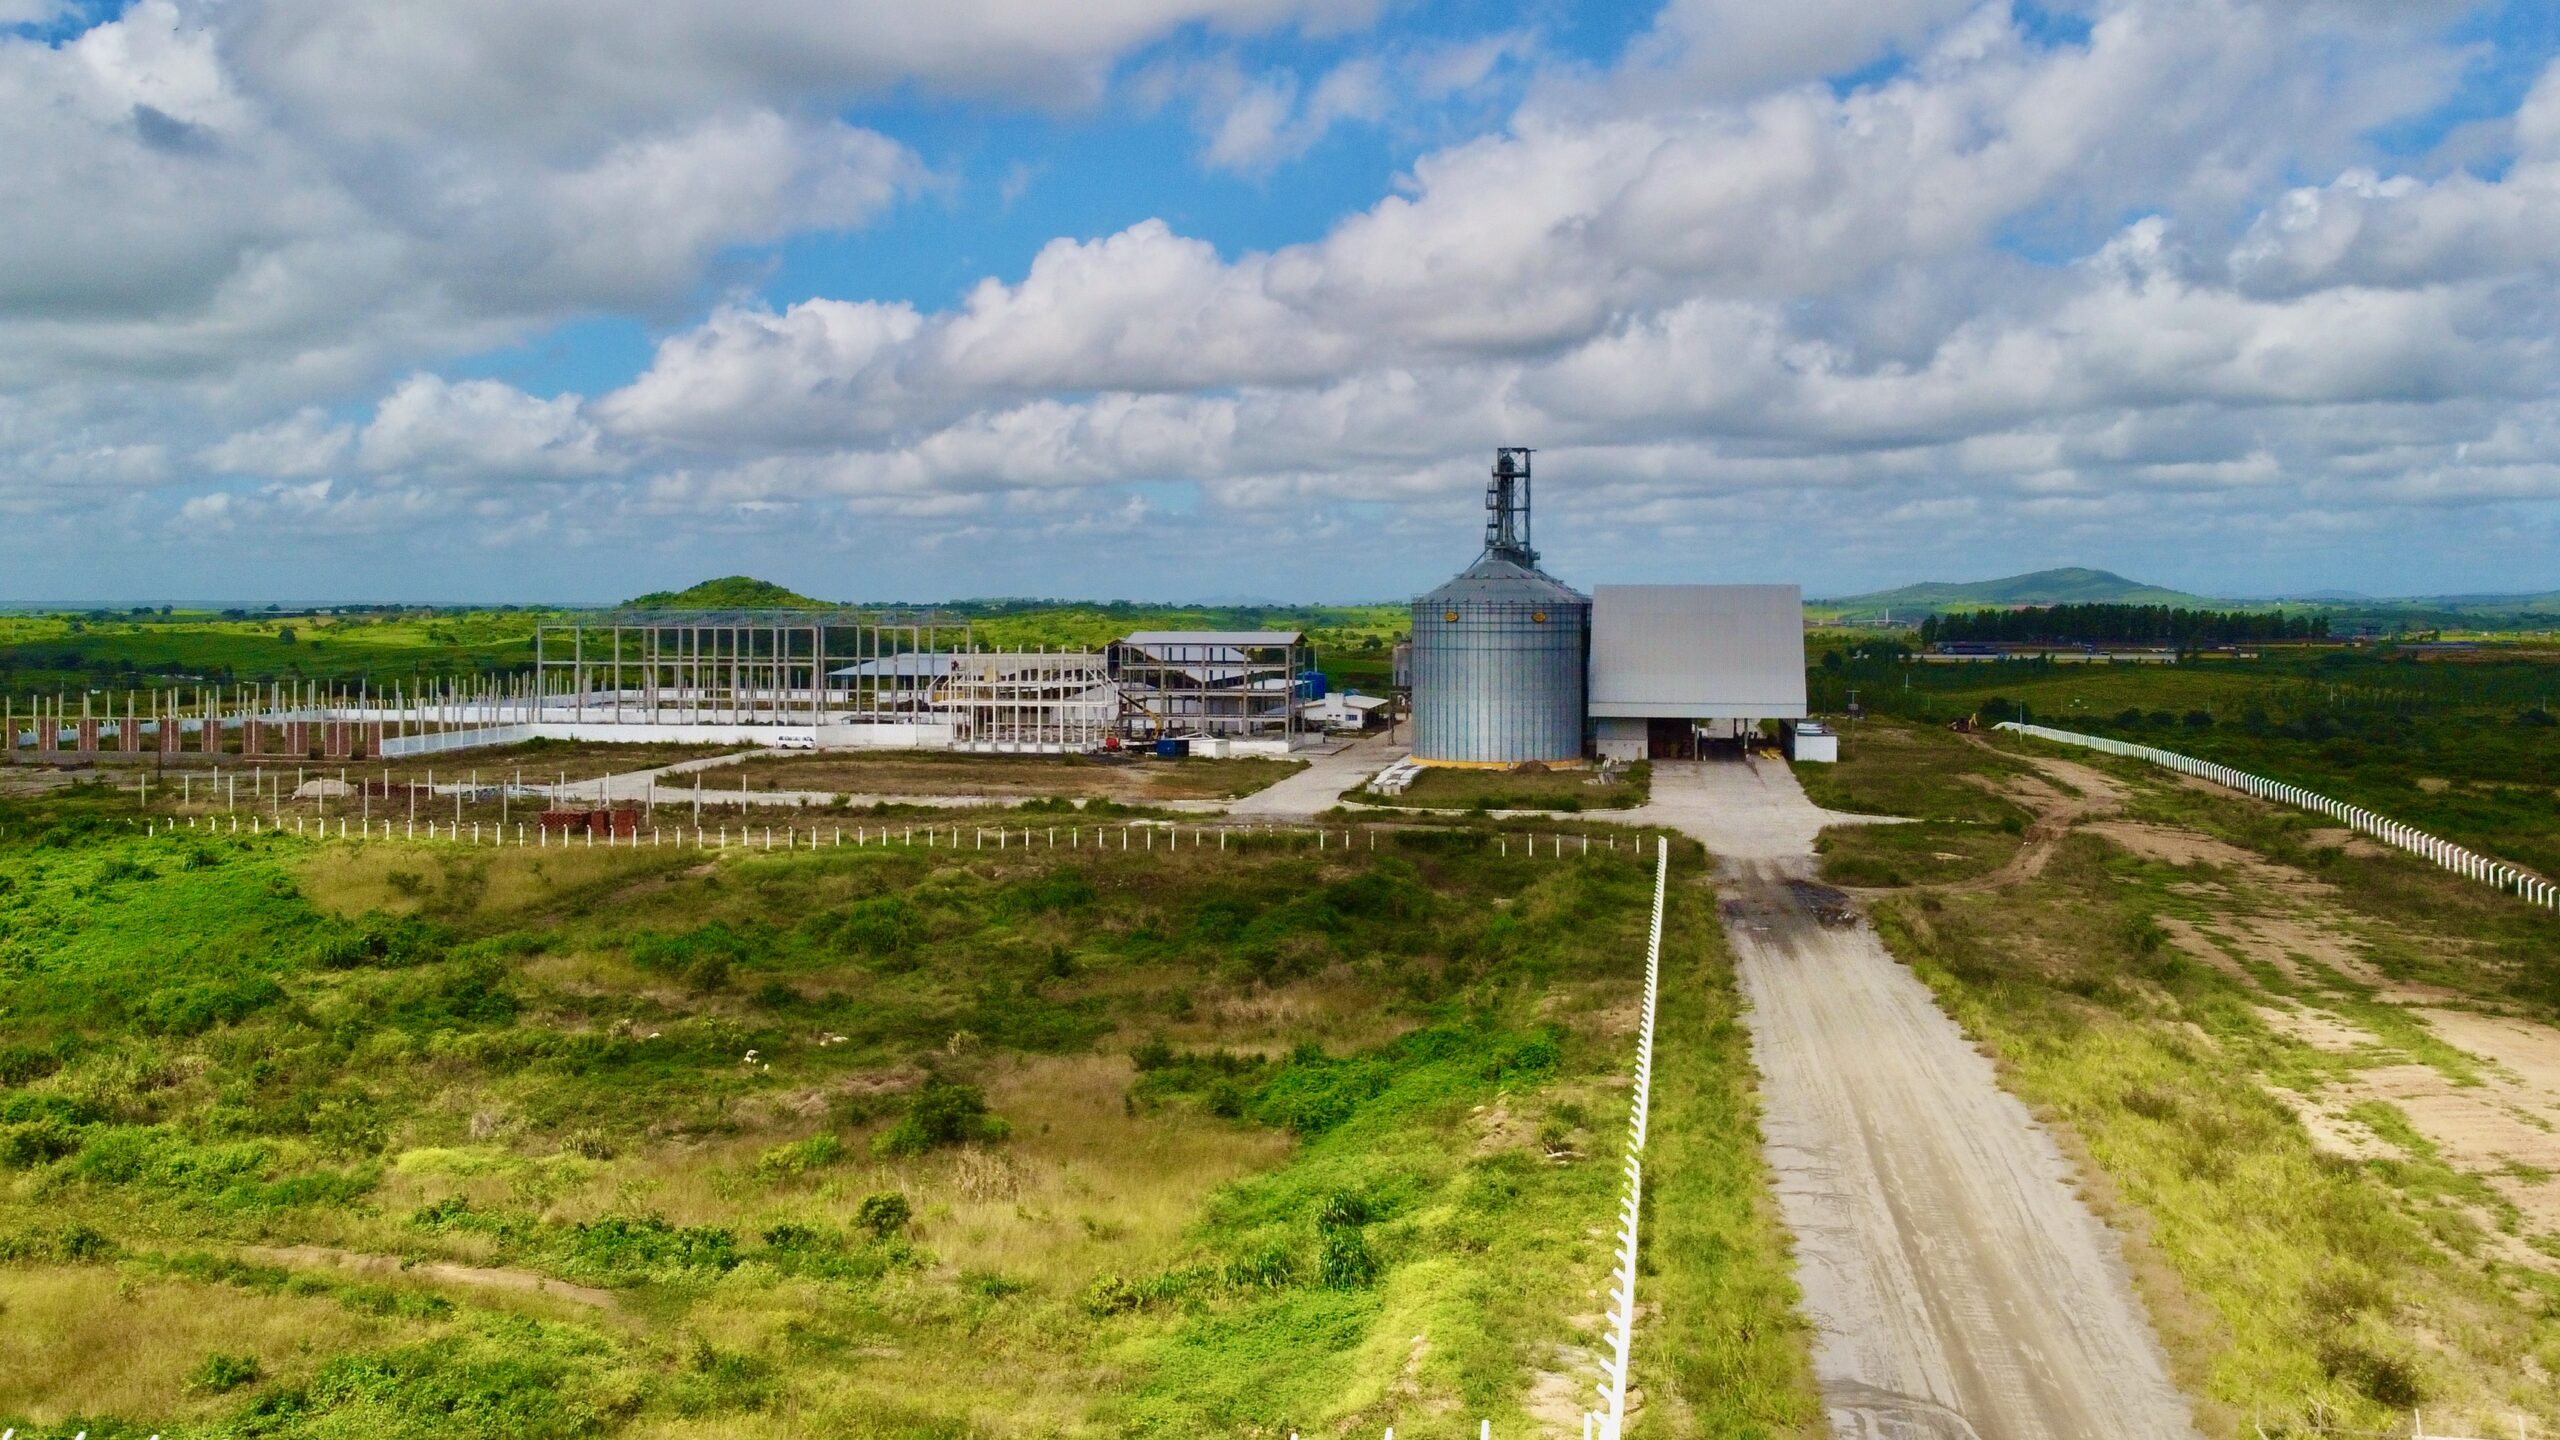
[[1501, 683]]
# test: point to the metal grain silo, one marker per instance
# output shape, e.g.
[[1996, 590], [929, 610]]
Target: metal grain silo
[[1499, 652]]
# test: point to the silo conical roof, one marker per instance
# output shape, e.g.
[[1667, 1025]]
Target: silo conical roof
[[1499, 578]]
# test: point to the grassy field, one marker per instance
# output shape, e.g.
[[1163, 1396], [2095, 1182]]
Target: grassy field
[[1542, 789], [1957, 794], [1134, 780], [2465, 744], [412, 1139], [2298, 1070]]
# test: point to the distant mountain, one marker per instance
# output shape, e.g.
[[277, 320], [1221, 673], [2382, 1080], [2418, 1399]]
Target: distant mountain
[[729, 592], [2070, 586]]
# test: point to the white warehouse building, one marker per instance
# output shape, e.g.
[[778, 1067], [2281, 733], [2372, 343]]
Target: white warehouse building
[[1680, 669]]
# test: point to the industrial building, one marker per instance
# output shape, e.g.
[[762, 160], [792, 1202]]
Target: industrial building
[[1506, 665], [1678, 671], [1510, 665]]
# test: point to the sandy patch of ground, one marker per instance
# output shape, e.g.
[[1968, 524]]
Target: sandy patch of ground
[[2195, 943], [2492, 1130], [2172, 846], [2323, 1118], [2316, 1028], [469, 1277], [2528, 1052], [2095, 787], [2294, 943]]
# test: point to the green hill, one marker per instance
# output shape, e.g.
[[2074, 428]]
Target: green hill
[[2073, 585], [729, 592]]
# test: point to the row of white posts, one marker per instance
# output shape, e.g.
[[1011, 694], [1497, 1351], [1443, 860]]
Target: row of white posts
[[1610, 1420], [2468, 863], [1025, 837]]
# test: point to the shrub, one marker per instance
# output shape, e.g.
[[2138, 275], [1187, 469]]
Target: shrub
[[35, 1142], [192, 1009], [222, 1373], [1111, 1295], [1266, 1267], [702, 957], [882, 927], [1344, 1261], [376, 939], [800, 1157], [884, 1214], [942, 1113], [69, 1245], [1059, 890]]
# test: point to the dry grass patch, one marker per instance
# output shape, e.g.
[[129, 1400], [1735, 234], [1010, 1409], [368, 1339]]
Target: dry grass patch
[[126, 1344]]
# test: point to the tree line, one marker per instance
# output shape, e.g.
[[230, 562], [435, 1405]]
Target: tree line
[[2122, 624]]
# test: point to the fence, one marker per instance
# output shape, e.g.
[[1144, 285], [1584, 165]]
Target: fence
[[2467, 863], [626, 829], [1608, 1422], [440, 741]]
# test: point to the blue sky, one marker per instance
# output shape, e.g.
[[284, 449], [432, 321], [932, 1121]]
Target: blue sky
[[562, 300]]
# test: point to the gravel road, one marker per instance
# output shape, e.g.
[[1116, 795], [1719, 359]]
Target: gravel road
[[1958, 1286]]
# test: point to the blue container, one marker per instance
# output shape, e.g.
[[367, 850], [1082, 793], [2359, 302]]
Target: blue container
[[1311, 685], [1171, 748]]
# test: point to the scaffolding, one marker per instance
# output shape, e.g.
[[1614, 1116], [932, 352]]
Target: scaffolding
[[736, 667], [1236, 684], [1038, 702], [815, 669]]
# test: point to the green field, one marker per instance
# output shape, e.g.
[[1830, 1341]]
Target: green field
[[2462, 744], [415, 1139], [2216, 1003]]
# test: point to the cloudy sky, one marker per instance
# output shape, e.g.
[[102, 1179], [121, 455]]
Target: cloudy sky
[[569, 299]]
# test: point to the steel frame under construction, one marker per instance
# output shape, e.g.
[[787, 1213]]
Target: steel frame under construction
[[1240, 684], [736, 667], [841, 677]]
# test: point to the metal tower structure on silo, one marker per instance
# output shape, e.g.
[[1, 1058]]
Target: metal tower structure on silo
[[1499, 652]]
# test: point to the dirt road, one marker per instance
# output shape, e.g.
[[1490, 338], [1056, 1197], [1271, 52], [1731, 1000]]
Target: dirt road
[[1319, 787], [1958, 1286]]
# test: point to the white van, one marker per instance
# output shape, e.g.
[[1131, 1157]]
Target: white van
[[796, 740]]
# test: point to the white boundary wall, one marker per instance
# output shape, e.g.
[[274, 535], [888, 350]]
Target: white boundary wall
[[2467, 863]]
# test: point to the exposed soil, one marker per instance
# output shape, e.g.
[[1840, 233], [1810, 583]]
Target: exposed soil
[[2316, 1028], [1010, 777], [473, 1277], [1958, 1285]]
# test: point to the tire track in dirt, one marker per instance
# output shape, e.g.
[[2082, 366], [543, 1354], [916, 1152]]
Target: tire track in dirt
[[1958, 1287]]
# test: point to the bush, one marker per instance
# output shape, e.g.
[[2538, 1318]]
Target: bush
[[222, 1373], [800, 1157], [1111, 1295], [1266, 1267], [1344, 1262], [701, 957], [377, 939], [36, 1142], [196, 1008], [883, 927], [942, 1113], [884, 1214]]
